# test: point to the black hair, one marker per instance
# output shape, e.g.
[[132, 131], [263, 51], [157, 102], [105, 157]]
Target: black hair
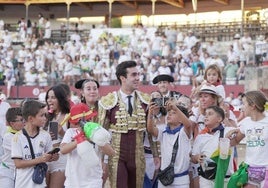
[[66, 88], [183, 110], [218, 110], [12, 114], [31, 108], [62, 95], [121, 69]]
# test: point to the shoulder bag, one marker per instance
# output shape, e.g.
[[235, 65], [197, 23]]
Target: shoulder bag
[[166, 176]]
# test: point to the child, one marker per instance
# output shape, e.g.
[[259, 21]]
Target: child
[[254, 129], [207, 142], [83, 177], [212, 76], [34, 114], [7, 168], [177, 124]]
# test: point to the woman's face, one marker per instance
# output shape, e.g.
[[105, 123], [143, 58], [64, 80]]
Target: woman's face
[[52, 101], [206, 100], [91, 92]]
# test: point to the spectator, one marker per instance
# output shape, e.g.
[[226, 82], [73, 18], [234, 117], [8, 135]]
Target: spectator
[[42, 94], [29, 30], [47, 29], [185, 74], [31, 77], [230, 71], [42, 78], [41, 25]]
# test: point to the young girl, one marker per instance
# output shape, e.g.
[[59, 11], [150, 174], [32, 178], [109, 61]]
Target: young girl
[[177, 124], [212, 76], [83, 177], [255, 131], [34, 114]]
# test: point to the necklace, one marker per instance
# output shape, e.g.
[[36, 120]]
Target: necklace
[[57, 116]]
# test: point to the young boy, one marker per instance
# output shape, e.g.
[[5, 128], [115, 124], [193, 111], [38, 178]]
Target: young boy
[[177, 125], [7, 167], [207, 142], [84, 176], [33, 113]]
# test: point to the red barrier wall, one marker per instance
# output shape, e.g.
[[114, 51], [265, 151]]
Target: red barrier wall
[[32, 91]]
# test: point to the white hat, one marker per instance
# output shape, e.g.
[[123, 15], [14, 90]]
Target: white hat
[[211, 89], [237, 36], [261, 37]]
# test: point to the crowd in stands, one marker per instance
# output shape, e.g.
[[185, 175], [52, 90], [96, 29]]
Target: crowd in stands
[[39, 61]]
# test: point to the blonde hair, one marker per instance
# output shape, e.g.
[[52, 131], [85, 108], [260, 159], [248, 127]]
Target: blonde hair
[[256, 98], [216, 68]]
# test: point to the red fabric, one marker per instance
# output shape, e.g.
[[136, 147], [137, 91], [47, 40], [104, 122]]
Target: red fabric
[[235, 165], [204, 131]]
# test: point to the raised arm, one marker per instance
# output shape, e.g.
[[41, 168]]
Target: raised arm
[[151, 128]]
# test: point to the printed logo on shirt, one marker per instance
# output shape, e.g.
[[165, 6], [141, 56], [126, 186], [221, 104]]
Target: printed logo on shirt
[[255, 137], [25, 147], [41, 144]]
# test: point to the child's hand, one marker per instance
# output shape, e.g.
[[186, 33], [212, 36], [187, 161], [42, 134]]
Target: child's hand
[[198, 159], [153, 108], [54, 157], [45, 158], [171, 104], [157, 162], [232, 134]]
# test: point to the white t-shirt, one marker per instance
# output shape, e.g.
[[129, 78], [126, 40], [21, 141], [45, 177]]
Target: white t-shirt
[[20, 149], [9, 169], [256, 136], [182, 161], [207, 144], [77, 175], [6, 157], [221, 91]]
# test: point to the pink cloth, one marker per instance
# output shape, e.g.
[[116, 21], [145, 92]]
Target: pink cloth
[[266, 179]]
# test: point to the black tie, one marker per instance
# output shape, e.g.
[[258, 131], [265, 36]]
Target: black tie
[[130, 108]]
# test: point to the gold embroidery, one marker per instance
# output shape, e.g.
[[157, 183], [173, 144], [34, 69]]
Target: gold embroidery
[[109, 101], [125, 122]]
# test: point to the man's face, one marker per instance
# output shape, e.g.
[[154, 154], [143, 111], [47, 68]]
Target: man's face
[[132, 80], [163, 87]]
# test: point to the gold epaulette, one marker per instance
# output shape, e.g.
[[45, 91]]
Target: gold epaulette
[[144, 97], [109, 101]]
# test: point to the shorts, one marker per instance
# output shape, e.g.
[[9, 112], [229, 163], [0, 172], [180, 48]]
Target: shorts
[[58, 165]]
